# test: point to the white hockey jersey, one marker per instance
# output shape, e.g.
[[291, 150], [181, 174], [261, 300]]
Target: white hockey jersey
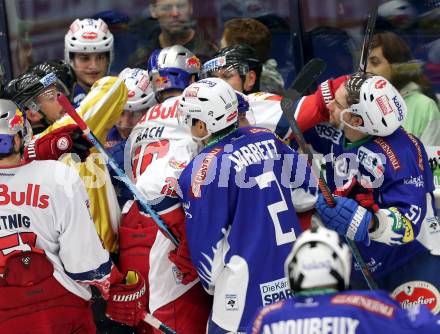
[[160, 150], [44, 205], [268, 114]]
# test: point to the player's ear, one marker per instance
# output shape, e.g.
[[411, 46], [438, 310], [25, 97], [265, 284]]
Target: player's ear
[[250, 79]]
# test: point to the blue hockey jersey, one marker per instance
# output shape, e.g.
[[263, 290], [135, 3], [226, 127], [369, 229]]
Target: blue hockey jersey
[[398, 168], [349, 312], [78, 95], [238, 195]]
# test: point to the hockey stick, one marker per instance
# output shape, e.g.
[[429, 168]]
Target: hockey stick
[[369, 32], [303, 80], [65, 103], [156, 323]]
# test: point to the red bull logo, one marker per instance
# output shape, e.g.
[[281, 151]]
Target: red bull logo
[[161, 82], [193, 62], [17, 122]]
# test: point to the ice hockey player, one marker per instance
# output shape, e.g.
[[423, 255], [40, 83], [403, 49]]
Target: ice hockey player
[[140, 99], [36, 91], [239, 195], [385, 184], [88, 48], [50, 253], [161, 149], [318, 269], [238, 65]]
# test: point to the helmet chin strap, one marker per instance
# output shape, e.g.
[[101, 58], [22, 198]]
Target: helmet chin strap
[[342, 123]]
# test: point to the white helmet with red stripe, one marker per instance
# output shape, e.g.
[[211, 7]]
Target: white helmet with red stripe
[[88, 36], [140, 91]]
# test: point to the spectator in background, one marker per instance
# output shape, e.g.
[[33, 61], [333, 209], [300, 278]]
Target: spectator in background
[[391, 58], [176, 26], [255, 34], [88, 48]]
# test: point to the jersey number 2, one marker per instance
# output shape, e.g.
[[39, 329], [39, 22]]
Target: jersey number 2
[[264, 180]]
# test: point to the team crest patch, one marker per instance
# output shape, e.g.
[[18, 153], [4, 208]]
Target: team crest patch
[[63, 144], [231, 302], [418, 293]]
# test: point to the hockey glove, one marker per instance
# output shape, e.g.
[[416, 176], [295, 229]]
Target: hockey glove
[[127, 301], [347, 218], [366, 200], [181, 258], [326, 93], [360, 192], [67, 139]]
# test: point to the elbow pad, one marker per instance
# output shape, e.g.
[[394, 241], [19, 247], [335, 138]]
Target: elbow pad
[[393, 228]]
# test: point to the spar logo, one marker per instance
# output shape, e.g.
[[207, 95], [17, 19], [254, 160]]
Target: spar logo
[[418, 293], [89, 35]]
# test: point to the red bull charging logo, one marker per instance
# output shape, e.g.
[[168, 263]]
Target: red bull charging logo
[[193, 62], [17, 122]]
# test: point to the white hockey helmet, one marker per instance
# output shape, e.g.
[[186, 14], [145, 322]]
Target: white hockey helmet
[[318, 259], [140, 91], [377, 102], [12, 121], [88, 36], [212, 101]]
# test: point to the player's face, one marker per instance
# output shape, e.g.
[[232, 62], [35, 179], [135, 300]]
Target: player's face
[[127, 122], [231, 76], [90, 67], [49, 105], [337, 105], [378, 64], [174, 16]]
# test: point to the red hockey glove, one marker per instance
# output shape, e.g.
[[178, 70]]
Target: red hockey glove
[[366, 200], [127, 301], [361, 193], [66, 139], [326, 93], [181, 258]]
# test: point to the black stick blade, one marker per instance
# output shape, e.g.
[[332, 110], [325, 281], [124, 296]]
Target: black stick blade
[[305, 78]]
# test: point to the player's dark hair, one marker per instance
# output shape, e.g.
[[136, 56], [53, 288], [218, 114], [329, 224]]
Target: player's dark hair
[[242, 54]]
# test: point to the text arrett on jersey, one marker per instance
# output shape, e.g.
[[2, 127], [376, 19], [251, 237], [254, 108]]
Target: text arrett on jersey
[[327, 325], [253, 153]]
